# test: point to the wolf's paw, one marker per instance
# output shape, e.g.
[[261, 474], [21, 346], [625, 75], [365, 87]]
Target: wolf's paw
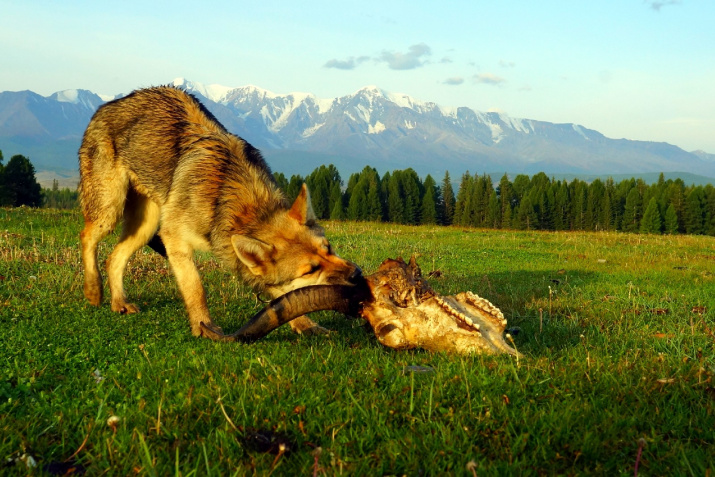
[[125, 308], [93, 294], [305, 326], [207, 330]]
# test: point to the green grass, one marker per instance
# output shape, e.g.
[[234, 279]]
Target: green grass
[[612, 353]]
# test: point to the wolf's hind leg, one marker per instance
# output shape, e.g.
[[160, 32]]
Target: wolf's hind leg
[[100, 218], [141, 221], [93, 232]]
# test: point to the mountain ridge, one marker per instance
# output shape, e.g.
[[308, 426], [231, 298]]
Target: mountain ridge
[[370, 126]]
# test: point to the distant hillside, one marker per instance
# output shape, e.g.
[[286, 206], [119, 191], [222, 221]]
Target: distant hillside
[[298, 131]]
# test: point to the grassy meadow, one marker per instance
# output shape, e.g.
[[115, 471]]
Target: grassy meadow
[[616, 331]]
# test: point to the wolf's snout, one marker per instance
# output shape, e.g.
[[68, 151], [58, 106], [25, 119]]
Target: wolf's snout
[[355, 275]]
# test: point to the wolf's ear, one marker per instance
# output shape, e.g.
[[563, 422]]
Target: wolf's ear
[[252, 253], [302, 209]]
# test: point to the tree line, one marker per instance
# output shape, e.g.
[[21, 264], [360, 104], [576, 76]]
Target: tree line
[[524, 203], [401, 196], [19, 186]]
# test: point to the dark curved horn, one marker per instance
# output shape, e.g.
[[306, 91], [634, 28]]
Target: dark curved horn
[[342, 298]]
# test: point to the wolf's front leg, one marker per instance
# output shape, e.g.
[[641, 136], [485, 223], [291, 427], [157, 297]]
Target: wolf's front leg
[[181, 259]]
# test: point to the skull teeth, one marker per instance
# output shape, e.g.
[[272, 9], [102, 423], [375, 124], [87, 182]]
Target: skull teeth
[[461, 317], [486, 306]]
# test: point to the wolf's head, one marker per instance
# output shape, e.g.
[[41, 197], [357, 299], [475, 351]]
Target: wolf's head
[[290, 251]]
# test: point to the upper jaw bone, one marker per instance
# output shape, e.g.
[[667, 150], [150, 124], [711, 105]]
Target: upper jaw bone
[[450, 309]]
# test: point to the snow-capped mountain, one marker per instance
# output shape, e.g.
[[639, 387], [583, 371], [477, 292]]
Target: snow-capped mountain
[[298, 131]]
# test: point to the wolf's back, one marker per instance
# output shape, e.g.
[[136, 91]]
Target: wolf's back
[[163, 138]]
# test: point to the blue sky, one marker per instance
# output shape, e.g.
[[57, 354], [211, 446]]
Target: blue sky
[[628, 68]]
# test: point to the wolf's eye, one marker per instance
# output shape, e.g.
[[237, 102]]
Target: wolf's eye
[[313, 268]]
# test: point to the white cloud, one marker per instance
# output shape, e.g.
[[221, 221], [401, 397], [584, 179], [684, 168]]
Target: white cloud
[[657, 5], [348, 64], [488, 78], [455, 80], [414, 58]]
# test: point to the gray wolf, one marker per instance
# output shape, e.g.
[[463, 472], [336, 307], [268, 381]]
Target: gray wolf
[[180, 182]]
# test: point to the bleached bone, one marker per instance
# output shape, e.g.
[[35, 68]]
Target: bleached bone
[[402, 309]]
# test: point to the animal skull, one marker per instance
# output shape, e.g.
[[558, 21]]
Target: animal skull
[[406, 313], [400, 306]]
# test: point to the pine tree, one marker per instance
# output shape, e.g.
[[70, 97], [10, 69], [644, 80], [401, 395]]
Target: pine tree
[[694, 213], [632, 211], [506, 197], [671, 220], [395, 205], [494, 209], [20, 183], [352, 180], [480, 200], [506, 218], [374, 202], [578, 192], [526, 216], [709, 205], [651, 221], [675, 194], [429, 205], [462, 196], [279, 177], [320, 182], [384, 193], [357, 204], [594, 202], [561, 207], [338, 212], [412, 191], [469, 213], [337, 209], [5, 198], [293, 189], [606, 214], [448, 200]]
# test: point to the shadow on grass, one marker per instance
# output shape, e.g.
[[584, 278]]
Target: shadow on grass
[[538, 306]]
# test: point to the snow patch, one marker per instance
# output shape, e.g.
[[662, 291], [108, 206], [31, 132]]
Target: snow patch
[[214, 92], [292, 102], [76, 96], [580, 131], [312, 130], [521, 125], [409, 124], [363, 113], [68, 96], [324, 105], [448, 111], [497, 132], [371, 90], [376, 129], [404, 101]]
